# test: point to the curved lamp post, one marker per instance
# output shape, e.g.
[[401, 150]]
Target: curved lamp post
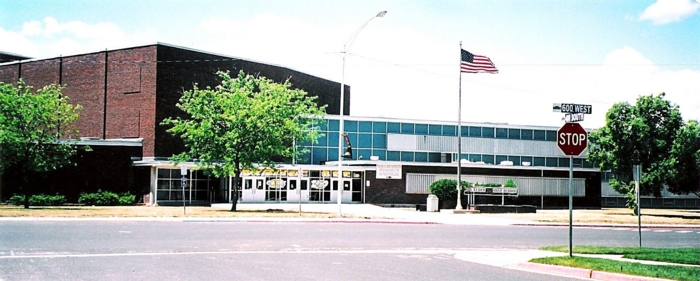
[[346, 47]]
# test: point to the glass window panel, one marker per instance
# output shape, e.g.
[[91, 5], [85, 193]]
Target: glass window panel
[[475, 157], [322, 140], [304, 157], [501, 158], [393, 127], [365, 141], [353, 140], [393, 156], [465, 131], [538, 161], [551, 135], [514, 134], [379, 127], [526, 135], [587, 164], [322, 125], [365, 126], [434, 157], [475, 132], [350, 126], [364, 153], [163, 173], [564, 162], [435, 130], [407, 156], [487, 159], [488, 132], [379, 141], [407, 128], [304, 184], [449, 130], [334, 125], [381, 153], [421, 129], [333, 139], [421, 157], [578, 163], [318, 155], [539, 135], [333, 154], [515, 159], [552, 162], [501, 133]]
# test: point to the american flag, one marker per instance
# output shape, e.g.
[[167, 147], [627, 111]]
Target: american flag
[[472, 63]]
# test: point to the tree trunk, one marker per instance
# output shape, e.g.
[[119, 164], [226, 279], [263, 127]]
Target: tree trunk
[[234, 189]]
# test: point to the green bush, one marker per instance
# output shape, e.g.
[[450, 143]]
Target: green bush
[[490, 184], [38, 200], [446, 189], [510, 183], [126, 199], [106, 198], [100, 198]]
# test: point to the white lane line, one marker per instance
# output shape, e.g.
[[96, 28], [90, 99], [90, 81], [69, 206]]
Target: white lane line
[[662, 230], [406, 251], [684, 231], [124, 231]]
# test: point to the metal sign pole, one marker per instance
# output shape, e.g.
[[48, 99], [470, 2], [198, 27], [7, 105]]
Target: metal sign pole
[[637, 173], [183, 172], [571, 204]]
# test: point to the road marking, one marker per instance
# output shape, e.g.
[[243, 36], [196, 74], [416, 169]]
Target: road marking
[[399, 251], [124, 231], [662, 230], [684, 231]]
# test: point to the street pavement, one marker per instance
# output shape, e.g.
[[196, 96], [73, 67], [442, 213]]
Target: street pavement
[[501, 257]]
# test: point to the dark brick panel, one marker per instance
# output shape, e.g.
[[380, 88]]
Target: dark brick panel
[[39, 74], [83, 78], [9, 73]]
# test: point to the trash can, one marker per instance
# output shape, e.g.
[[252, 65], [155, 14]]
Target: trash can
[[432, 204]]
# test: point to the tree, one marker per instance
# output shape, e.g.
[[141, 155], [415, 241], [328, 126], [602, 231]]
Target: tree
[[244, 121], [645, 134], [446, 189], [684, 162], [31, 127]]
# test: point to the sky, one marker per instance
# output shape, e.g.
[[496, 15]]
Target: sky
[[406, 64]]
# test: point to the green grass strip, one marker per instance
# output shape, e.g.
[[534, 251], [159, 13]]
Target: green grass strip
[[675, 272], [672, 255]]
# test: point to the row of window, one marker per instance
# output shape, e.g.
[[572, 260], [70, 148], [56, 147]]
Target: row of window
[[318, 155], [438, 130]]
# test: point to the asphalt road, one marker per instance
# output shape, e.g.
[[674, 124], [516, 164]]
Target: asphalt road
[[116, 250]]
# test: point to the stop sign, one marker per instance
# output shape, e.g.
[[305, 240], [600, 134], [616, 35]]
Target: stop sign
[[572, 139]]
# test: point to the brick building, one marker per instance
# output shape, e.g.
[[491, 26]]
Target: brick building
[[126, 93]]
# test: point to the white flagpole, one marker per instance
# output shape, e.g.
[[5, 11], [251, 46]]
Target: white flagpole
[[459, 135]]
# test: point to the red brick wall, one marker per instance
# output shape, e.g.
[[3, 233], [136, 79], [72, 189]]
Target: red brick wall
[[83, 77], [39, 74], [9, 73], [131, 94]]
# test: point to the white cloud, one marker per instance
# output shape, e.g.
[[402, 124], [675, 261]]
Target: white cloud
[[50, 37], [667, 11]]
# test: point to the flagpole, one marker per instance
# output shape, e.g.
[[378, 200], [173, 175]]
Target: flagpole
[[459, 135]]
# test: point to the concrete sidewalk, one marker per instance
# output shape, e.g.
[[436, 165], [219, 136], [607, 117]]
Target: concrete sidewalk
[[374, 213]]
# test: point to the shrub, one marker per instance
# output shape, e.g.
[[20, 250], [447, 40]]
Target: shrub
[[126, 199], [101, 198], [446, 189], [16, 200], [510, 183], [490, 184], [38, 200]]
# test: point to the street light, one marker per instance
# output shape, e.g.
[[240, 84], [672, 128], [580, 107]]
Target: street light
[[346, 47]]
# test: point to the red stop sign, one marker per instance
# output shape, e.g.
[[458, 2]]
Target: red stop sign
[[572, 139]]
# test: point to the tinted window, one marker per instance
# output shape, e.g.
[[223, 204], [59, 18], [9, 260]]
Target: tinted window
[[551, 135], [365, 141], [365, 126], [407, 128], [539, 135], [379, 141], [333, 125], [407, 156], [350, 126], [449, 130], [501, 133], [421, 157], [514, 134], [393, 127], [526, 135], [421, 129], [379, 127], [475, 131], [393, 156], [488, 132], [435, 130], [487, 159]]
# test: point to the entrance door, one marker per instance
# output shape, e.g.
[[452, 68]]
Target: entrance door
[[276, 190], [294, 192], [253, 190], [336, 188]]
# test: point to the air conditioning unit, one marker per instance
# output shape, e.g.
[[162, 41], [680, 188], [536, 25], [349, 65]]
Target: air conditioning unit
[[506, 163], [526, 163]]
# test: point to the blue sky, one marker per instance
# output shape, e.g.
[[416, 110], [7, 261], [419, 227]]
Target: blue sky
[[405, 65]]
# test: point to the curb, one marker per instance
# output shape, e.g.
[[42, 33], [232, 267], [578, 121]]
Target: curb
[[631, 226], [582, 273], [214, 220]]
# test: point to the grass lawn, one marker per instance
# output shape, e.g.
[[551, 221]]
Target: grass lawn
[[672, 255], [674, 272]]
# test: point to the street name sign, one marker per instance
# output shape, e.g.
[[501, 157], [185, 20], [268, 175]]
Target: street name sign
[[572, 108]]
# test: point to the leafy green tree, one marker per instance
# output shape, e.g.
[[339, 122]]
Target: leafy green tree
[[244, 121], [446, 189], [645, 134], [684, 163], [31, 127]]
